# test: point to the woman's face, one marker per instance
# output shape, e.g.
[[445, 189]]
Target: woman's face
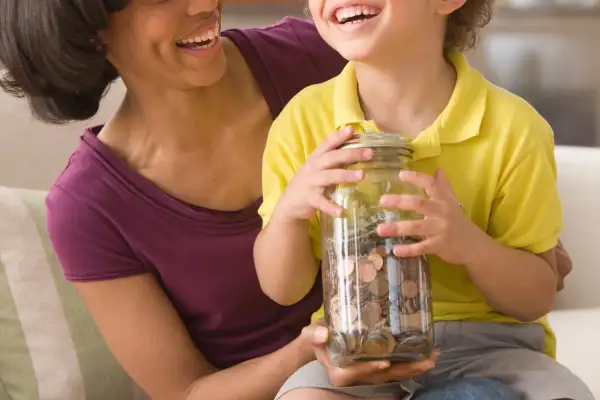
[[170, 43]]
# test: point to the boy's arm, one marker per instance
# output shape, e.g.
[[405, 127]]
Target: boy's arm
[[515, 266], [287, 250]]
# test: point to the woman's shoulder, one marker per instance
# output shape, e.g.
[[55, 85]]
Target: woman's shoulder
[[286, 57], [82, 209]]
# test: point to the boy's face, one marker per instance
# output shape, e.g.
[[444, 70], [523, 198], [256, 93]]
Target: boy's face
[[364, 30]]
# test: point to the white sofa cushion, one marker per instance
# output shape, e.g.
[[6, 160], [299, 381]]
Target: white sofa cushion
[[50, 348]]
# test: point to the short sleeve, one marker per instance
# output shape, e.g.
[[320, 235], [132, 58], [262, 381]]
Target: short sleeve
[[284, 155], [527, 213], [88, 247]]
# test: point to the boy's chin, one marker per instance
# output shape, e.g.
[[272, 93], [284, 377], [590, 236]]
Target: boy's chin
[[356, 54]]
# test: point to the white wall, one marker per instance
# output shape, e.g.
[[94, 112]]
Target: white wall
[[32, 154]]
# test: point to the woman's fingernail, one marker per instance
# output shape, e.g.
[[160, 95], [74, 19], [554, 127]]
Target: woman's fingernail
[[367, 154], [406, 174], [348, 129], [321, 334]]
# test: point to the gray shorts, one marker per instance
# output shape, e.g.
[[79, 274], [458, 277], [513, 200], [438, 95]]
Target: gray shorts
[[510, 353]]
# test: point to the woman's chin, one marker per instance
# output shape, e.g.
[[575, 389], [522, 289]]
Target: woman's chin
[[207, 74]]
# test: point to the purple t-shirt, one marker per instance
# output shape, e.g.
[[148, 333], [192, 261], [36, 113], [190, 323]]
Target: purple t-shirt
[[107, 222]]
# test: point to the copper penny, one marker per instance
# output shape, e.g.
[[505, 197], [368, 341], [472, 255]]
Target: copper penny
[[391, 342], [337, 345], [371, 313], [375, 346], [377, 261], [410, 289], [380, 250], [346, 267], [413, 321], [379, 288], [352, 313], [411, 305], [336, 321], [367, 271]]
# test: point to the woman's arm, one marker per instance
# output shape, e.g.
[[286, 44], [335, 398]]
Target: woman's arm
[[148, 338]]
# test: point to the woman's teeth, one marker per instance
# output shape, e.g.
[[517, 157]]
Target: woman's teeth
[[204, 40], [355, 14]]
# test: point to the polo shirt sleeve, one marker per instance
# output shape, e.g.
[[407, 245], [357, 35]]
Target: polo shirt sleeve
[[526, 213], [285, 152]]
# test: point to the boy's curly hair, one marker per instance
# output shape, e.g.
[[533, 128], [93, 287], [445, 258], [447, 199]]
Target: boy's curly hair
[[464, 24]]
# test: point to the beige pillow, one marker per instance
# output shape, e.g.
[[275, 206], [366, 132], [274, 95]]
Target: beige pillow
[[50, 348]]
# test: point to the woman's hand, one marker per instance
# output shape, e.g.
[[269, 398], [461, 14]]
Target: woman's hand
[[373, 372], [447, 232], [305, 194]]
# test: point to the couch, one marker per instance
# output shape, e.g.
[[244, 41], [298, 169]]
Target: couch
[[50, 348]]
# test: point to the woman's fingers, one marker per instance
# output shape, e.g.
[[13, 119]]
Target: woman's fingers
[[356, 373]]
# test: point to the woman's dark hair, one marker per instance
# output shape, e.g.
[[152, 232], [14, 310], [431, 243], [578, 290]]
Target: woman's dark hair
[[53, 56]]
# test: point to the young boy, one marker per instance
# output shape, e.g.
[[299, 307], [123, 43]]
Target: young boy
[[484, 158]]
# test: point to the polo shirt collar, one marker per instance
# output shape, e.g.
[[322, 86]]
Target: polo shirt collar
[[461, 119]]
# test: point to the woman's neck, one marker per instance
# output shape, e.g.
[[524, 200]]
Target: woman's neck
[[406, 95], [177, 120]]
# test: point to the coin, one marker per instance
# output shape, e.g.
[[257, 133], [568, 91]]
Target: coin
[[346, 267], [411, 305], [380, 250], [375, 346], [352, 342], [367, 271], [352, 313], [409, 289], [336, 321], [377, 260], [413, 321], [371, 313], [337, 345], [379, 288]]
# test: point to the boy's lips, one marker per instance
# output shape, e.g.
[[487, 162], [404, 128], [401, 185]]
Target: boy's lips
[[353, 13]]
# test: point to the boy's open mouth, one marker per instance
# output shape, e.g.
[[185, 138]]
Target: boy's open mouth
[[354, 14]]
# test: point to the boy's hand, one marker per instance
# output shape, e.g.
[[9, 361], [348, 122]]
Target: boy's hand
[[447, 232], [305, 194]]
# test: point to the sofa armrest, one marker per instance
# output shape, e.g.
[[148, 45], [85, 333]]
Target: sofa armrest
[[577, 334]]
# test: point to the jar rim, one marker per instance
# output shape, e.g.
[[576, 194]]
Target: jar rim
[[380, 139]]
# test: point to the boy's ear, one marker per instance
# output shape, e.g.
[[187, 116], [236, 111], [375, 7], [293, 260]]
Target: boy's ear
[[447, 7]]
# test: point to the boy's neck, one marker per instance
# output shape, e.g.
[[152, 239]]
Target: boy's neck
[[406, 95]]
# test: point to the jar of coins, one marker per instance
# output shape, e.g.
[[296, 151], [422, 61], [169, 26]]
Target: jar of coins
[[377, 306]]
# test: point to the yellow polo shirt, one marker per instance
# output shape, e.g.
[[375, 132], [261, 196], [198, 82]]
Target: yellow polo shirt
[[495, 149]]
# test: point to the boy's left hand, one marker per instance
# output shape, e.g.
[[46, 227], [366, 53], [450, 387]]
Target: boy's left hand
[[445, 230]]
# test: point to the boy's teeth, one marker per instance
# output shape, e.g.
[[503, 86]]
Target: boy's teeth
[[344, 14]]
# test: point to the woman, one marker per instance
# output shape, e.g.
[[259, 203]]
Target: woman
[[155, 215]]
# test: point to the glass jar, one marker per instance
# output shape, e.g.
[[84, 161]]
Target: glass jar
[[377, 306]]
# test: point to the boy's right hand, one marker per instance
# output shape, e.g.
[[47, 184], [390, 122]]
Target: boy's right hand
[[305, 194]]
